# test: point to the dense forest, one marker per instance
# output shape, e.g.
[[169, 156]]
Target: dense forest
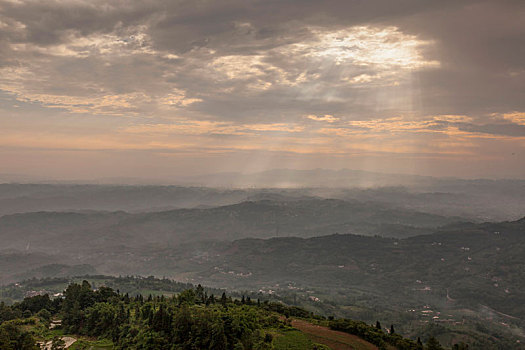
[[191, 319]]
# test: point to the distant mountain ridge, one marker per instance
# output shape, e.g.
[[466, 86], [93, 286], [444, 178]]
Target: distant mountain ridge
[[493, 200], [53, 231]]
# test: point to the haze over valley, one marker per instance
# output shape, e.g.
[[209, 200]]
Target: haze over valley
[[262, 175], [356, 251]]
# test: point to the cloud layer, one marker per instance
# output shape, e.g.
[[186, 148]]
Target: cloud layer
[[280, 83]]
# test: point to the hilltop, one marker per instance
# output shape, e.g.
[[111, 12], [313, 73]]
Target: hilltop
[[192, 318]]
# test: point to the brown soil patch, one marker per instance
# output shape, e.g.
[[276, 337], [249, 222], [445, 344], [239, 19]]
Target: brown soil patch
[[336, 340]]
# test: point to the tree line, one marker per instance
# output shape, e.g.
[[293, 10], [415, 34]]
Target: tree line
[[192, 319]]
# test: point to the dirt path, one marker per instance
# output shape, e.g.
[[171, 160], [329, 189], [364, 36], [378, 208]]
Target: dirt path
[[67, 340], [336, 340]]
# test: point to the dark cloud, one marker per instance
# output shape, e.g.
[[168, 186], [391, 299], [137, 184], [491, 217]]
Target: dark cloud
[[495, 129], [478, 44], [393, 68], [504, 129]]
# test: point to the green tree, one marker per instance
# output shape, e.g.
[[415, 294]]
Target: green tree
[[182, 324], [36, 303], [199, 294], [44, 315], [101, 319], [13, 338], [218, 338], [433, 344], [187, 297]]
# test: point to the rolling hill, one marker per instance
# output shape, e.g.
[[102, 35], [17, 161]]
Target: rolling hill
[[78, 232]]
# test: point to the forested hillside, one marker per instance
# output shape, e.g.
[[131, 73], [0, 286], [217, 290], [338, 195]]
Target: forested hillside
[[461, 283], [192, 319]]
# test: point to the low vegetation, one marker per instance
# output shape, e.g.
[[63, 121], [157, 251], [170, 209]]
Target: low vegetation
[[191, 319]]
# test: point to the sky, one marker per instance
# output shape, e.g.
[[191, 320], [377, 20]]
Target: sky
[[160, 89]]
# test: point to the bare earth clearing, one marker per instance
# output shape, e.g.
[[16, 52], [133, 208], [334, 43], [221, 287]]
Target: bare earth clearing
[[336, 340]]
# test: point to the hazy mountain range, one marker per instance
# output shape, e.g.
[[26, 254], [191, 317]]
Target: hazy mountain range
[[446, 251], [474, 199], [84, 231]]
